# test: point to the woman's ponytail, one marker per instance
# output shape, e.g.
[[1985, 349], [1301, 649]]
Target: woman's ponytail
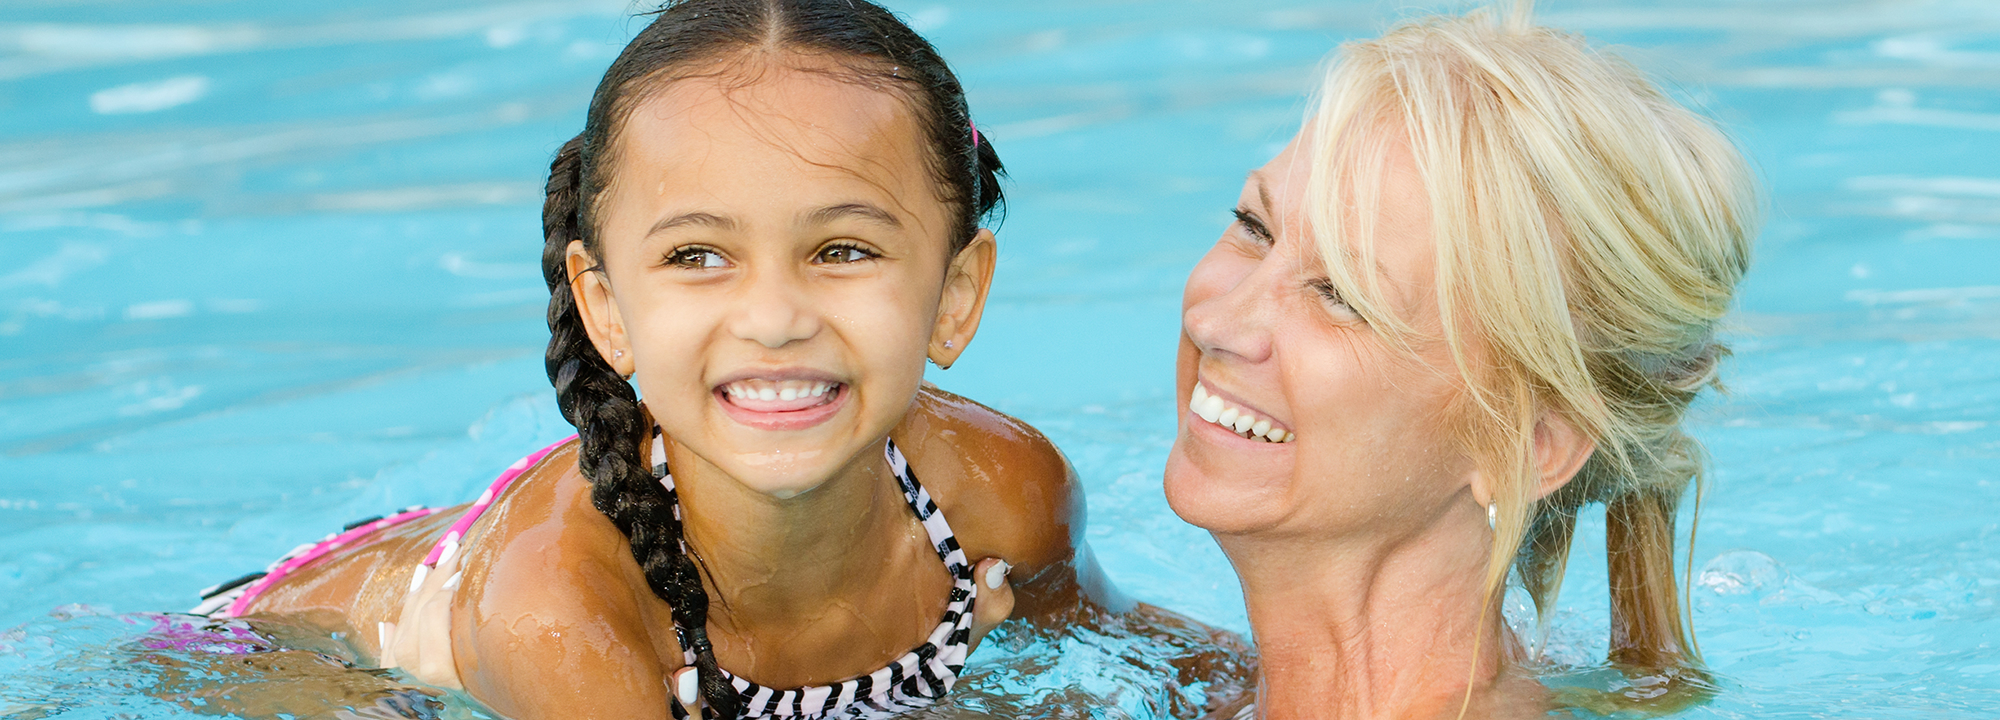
[[1646, 625]]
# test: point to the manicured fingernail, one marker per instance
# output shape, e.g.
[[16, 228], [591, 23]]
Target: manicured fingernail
[[687, 686], [997, 574]]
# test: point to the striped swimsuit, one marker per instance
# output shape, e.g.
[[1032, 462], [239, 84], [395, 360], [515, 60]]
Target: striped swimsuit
[[918, 678]]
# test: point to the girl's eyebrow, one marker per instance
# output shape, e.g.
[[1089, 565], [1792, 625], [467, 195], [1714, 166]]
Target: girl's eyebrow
[[694, 219], [863, 211], [818, 217]]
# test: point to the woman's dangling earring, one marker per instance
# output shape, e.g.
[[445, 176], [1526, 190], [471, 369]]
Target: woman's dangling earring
[[1493, 517]]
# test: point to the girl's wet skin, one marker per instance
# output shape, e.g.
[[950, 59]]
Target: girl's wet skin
[[773, 228]]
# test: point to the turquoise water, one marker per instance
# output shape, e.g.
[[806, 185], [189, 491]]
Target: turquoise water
[[268, 267]]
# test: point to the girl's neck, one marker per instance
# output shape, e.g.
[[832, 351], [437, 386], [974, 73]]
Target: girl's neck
[[1350, 628], [777, 562]]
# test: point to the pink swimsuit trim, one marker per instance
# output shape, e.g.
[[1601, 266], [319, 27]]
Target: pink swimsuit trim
[[444, 548]]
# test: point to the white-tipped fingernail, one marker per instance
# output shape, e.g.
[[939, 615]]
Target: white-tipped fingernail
[[997, 574], [687, 686]]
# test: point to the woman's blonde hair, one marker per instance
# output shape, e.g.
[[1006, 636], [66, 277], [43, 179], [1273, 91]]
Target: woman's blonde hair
[[1590, 235]]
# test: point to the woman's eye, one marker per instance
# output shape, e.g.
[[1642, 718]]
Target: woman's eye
[[1253, 226], [839, 254], [1329, 294], [696, 258]]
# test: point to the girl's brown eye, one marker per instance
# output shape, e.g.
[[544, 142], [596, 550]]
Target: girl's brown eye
[[842, 253], [696, 258]]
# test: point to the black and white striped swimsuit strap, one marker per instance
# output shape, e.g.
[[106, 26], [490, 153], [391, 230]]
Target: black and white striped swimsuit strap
[[918, 678]]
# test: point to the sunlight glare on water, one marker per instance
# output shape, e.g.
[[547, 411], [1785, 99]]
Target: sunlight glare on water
[[269, 267]]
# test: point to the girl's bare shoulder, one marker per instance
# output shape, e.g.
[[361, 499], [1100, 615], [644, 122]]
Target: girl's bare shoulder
[[1007, 490], [545, 544], [550, 591]]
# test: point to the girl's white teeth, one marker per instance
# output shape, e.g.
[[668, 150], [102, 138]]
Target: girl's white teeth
[[1240, 421], [767, 391]]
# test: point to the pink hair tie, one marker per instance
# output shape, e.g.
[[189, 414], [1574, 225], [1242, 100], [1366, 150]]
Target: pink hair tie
[[975, 135]]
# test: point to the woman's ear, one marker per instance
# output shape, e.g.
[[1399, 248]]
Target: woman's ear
[[1560, 452], [598, 308], [964, 299]]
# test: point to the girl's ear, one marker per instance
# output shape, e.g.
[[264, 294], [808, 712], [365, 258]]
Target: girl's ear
[[964, 300], [599, 309]]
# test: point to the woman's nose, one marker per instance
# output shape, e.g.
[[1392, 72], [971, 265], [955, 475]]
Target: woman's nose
[[774, 309], [1229, 308]]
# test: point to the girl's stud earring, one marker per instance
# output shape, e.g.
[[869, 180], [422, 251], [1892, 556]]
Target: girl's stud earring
[[616, 354], [1493, 517], [947, 344]]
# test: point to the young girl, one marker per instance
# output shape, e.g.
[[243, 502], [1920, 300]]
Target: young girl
[[768, 224]]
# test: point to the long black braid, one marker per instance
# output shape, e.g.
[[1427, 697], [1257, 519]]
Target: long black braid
[[686, 38]]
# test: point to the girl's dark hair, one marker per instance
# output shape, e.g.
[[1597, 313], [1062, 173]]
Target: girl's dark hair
[[700, 38]]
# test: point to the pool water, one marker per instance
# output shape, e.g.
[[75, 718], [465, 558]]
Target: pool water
[[269, 267]]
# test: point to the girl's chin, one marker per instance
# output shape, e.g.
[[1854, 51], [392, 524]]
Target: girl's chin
[[782, 474]]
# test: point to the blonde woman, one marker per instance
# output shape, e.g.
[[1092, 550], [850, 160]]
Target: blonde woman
[[1476, 292]]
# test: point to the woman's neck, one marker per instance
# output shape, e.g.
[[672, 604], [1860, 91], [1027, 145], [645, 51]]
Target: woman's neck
[[773, 562], [1354, 628]]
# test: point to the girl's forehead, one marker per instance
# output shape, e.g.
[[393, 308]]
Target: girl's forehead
[[780, 132], [824, 116]]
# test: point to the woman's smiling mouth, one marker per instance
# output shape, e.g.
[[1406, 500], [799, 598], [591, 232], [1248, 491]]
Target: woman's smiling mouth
[[789, 404], [1242, 421]]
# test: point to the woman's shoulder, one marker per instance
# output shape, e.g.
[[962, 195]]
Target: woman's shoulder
[[1009, 492]]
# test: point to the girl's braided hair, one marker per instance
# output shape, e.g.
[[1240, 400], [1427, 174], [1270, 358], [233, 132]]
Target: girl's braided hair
[[687, 39]]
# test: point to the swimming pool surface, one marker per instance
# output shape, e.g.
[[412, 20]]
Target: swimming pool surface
[[269, 267]]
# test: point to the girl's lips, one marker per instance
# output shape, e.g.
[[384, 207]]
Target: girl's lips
[[782, 414]]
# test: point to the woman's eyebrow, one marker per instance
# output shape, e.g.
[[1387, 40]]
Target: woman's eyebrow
[[1263, 189], [863, 211]]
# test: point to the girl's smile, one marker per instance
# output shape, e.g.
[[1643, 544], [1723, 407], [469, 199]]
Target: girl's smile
[[782, 400]]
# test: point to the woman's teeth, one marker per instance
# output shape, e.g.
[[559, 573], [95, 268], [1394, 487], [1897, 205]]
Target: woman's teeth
[[1237, 420], [768, 391]]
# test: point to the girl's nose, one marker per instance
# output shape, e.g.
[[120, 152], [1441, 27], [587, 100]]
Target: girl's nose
[[1230, 309], [774, 310]]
